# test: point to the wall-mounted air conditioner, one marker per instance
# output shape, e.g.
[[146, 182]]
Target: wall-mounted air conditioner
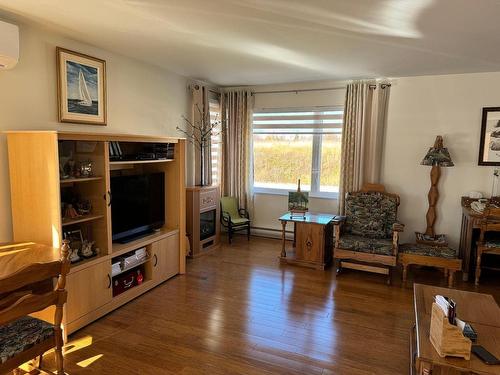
[[9, 45]]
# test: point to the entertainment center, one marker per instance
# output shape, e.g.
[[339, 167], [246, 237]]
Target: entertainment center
[[124, 215]]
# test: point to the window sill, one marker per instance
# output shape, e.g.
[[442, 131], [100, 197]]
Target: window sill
[[318, 195]]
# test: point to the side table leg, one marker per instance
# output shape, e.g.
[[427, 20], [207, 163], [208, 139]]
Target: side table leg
[[450, 278], [283, 240], [405, 273]]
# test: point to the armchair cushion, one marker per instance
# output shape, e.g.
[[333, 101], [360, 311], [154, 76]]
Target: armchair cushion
[[370, 214], [22, 334], [427, 250], [229, 206], [381, 246], [239, 220]]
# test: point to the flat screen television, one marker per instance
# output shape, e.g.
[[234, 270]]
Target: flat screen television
[[137, 205]]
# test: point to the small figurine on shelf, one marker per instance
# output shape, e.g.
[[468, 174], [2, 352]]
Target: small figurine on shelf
[[73, 255], [86, 168], [84, 207], [140, 277], [70, 212], [87, 249]]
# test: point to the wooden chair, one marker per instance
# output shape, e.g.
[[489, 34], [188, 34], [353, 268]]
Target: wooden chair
[[368, 237], [234, 218], [23, 337], [490, 222]]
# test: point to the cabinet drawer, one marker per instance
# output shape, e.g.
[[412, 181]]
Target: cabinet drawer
[[208, 199]]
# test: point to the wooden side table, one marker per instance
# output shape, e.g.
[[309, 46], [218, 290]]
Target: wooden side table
[[312, 240]]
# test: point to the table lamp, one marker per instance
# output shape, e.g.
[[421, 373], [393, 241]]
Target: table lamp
[[437, 157]]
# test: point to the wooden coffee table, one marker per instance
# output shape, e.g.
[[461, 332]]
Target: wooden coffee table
[[480, 310]]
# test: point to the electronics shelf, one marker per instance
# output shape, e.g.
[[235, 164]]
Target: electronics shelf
[[81, 219], [125, 162], [145, 260], [122, 248], [69, 181]]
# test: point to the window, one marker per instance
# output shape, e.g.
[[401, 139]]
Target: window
[[216, 140], [297, 143]]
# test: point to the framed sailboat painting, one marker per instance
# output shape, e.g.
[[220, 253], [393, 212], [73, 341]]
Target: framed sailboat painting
[[81, 88]]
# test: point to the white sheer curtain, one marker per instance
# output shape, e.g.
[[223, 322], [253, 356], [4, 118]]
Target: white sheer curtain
[[365, 120]]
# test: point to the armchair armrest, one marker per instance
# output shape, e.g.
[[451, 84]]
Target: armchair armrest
[[243, 212], [398, 227], [224, 216], [337, 220]]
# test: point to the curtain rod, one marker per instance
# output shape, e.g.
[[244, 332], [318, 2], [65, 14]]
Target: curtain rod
[[299, 90], [382, 86]]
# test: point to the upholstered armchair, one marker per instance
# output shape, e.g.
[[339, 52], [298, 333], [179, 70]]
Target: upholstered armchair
[[367, 238], [234, 218]]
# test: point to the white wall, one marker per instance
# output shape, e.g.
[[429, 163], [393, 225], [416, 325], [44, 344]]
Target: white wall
[[142, 99], [420, 109]]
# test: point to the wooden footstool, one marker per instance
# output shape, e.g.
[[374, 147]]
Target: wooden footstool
[[431, 256]]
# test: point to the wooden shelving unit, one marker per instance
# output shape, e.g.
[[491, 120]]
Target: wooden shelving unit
[[122, 248], [34, 161], [69, 181], [118, 162], [80, 219]]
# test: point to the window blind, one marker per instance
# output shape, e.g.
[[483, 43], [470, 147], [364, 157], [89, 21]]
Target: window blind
[[216, 139], [321, 120]]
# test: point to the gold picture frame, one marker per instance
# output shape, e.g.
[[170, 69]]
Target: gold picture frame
[[81, 88]]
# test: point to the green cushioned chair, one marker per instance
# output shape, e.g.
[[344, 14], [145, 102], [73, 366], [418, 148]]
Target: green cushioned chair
[[234, 218]]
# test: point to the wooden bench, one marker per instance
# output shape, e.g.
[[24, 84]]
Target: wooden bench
[[430, 256]]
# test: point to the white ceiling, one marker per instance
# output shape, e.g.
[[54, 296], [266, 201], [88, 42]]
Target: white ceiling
[[237, 42]]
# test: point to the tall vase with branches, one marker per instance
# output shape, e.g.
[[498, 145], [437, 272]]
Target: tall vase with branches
[[200, 134]]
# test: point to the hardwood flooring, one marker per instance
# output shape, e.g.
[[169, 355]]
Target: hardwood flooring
[[239, 312]]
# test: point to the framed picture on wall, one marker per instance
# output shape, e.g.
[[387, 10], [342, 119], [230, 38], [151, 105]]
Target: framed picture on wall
[[81, 84], [489, 147]]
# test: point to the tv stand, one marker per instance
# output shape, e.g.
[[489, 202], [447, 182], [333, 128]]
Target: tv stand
[[39, 184], [136, 236]]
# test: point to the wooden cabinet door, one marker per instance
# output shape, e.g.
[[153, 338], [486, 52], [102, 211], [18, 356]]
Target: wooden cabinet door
[[171, 256], [309, 242], [158, 261], [88, 290], [165, 255]]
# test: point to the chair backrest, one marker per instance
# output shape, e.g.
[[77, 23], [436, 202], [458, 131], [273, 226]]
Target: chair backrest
[[230, 205], [16, 297], [371, 212], [490, 221]]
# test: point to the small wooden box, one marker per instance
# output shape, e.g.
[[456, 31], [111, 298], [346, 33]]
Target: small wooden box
[[447, 339]]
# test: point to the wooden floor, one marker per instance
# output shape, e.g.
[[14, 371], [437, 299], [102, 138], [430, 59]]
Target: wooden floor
[[239, 312]]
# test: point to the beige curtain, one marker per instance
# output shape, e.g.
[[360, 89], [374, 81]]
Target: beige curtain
[[237, 165], [201, 113], [365, 120]]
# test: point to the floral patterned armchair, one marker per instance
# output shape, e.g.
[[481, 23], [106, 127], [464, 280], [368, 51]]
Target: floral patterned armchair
[[368, 237]]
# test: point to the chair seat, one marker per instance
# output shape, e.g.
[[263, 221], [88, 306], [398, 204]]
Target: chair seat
[[380, 246], [239, 220], [22, 334], [427, 250]]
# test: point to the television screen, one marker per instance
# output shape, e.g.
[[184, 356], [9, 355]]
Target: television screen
[[137, 205]]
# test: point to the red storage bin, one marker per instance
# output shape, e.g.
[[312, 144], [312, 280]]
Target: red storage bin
[[126, 281]]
